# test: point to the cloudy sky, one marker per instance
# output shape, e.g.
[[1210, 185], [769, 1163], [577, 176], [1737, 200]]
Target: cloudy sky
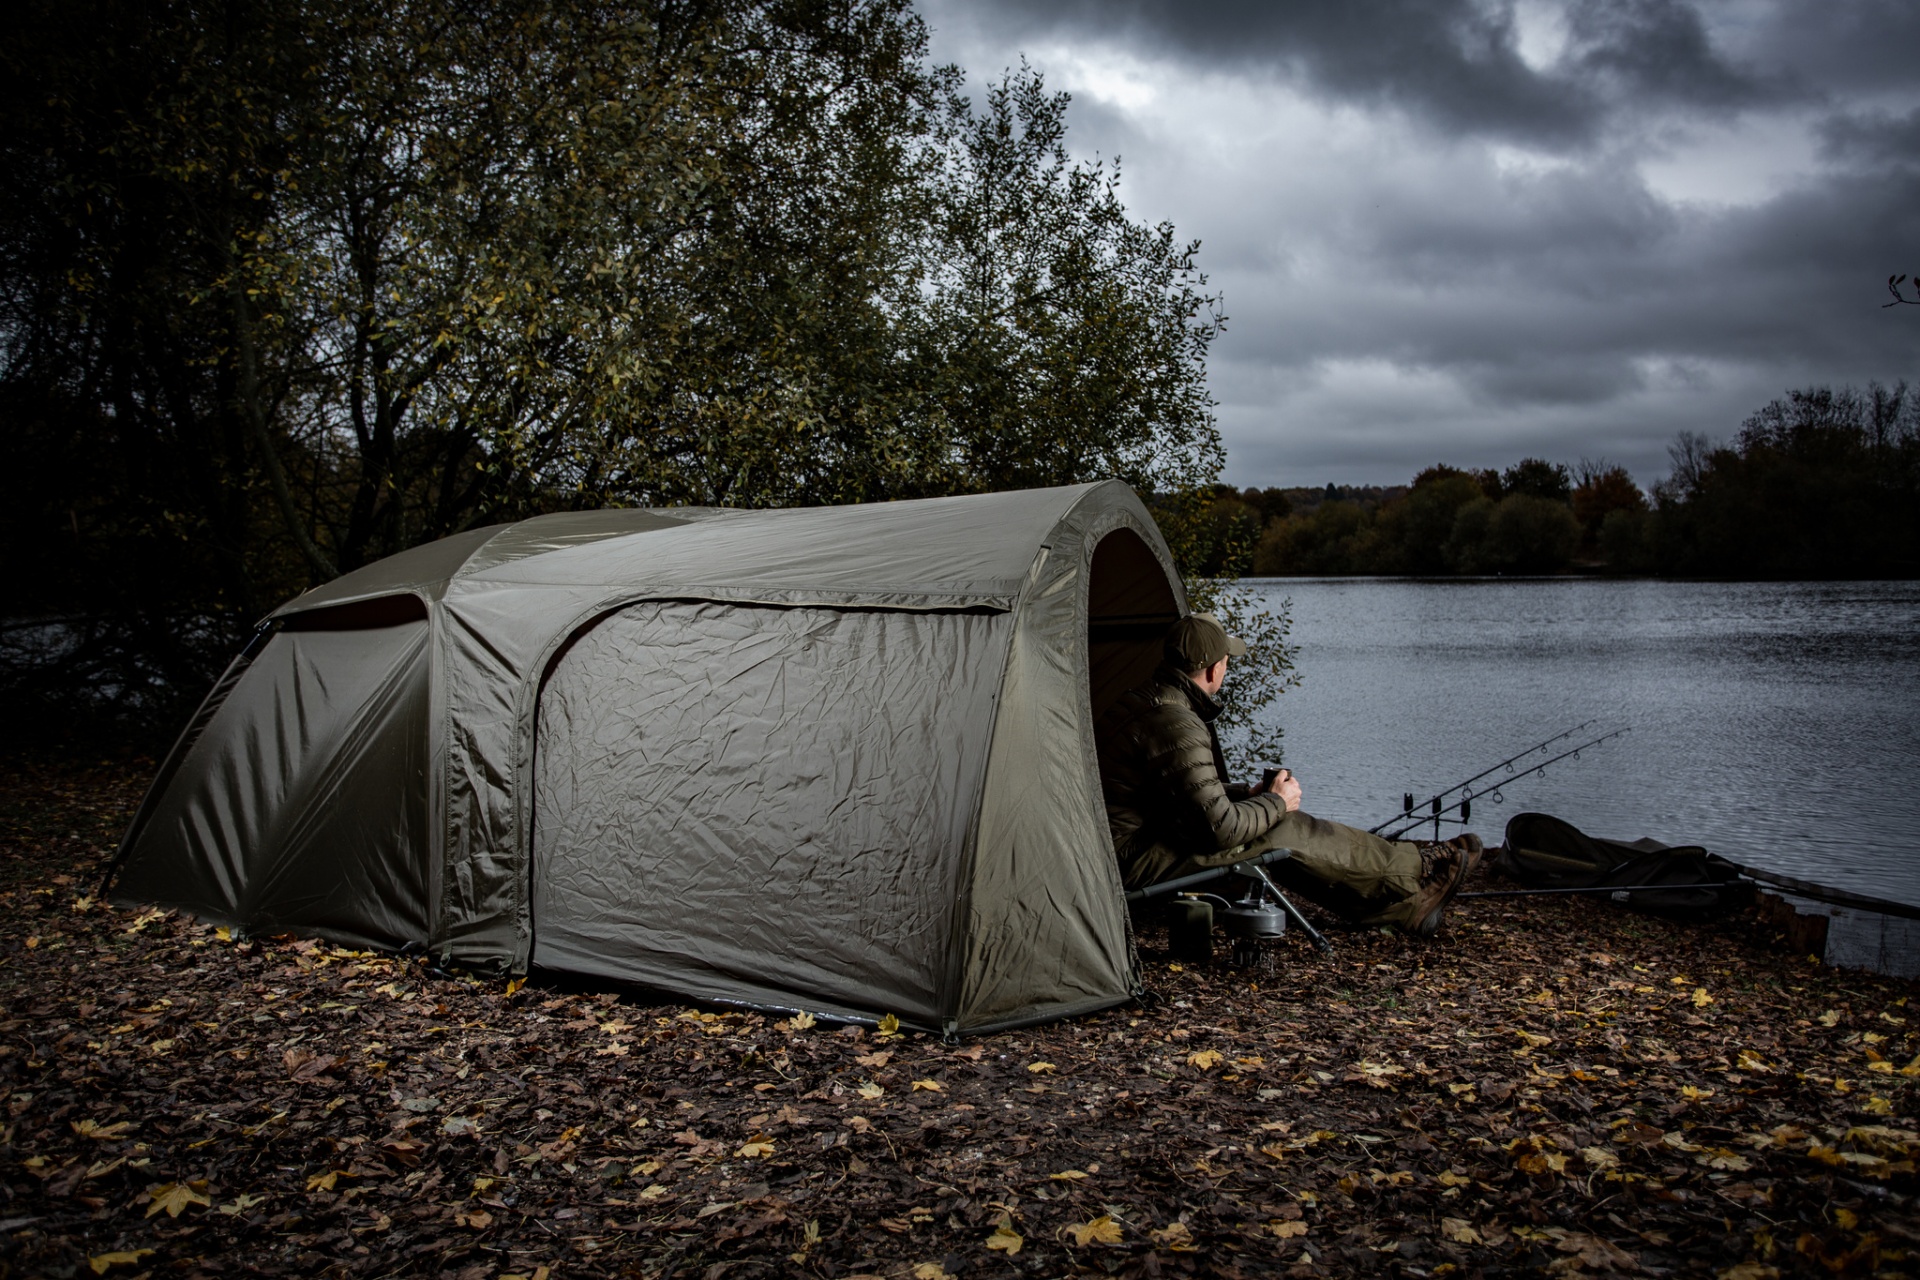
[[1471, 231]]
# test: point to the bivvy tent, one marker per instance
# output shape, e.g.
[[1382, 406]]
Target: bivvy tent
[[838, 759]]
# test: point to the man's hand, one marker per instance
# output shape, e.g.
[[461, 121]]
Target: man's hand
[[1287, 787]]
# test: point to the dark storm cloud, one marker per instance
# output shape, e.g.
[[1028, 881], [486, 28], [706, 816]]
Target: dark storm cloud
[[1659, 51], [1469, 231], [1455, 64], [1873, 139]]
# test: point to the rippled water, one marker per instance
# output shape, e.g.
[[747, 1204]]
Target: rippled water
[[1775, 723]]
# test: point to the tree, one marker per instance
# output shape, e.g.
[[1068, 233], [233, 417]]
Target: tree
[[1431, 507], [1060, 339], [1600, 490], [1821, 483], [291, 286], [1538, 478]]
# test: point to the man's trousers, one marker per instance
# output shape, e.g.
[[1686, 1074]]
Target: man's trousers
[[1356, 875]]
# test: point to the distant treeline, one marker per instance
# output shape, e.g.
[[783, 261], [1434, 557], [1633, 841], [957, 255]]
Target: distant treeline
[[1818, 484]]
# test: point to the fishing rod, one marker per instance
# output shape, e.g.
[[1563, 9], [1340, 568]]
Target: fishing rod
[[1434, 799], [1465, 803]]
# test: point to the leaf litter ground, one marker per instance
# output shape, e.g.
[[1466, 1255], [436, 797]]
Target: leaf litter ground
[[1551, 1085]]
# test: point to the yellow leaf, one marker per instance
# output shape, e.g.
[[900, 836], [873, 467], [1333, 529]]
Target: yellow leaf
[[174, 1197], [1005, 1239], [1750, 1271], [1288, 1230], [1452, 1179], [929, 1086], [931, 1271], [514, 985], [1041, 1068], [240, 1204], [1459, 1230], [1067, 1175], [1173, 1236], [1830, 1018], [1599, 1157], [1847, 1219], [1700, 998], [102, 1132], [1692, 1094], [870, 1091], [1205, 1059], [801, 1022], [1878, 1106], [889, 1026], [323, 1181], [1102, 1230], [757, 1150], [101, 1262], [1274, 1151]]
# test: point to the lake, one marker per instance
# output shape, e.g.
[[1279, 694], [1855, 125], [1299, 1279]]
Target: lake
[[1774, 723]]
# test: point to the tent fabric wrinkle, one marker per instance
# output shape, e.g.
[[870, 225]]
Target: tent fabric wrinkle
[[833, 758]]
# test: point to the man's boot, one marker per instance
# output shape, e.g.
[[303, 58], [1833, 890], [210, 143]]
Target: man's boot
[[1442, 867]]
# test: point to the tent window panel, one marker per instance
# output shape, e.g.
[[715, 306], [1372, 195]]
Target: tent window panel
[[1130, 604], [776, 799]]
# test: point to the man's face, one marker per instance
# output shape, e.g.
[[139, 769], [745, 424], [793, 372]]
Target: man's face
[[1213, 677]]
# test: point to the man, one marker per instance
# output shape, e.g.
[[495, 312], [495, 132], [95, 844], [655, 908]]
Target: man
[[1173, 812]]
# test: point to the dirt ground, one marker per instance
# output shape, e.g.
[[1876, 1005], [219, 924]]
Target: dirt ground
[[1551, 1084]]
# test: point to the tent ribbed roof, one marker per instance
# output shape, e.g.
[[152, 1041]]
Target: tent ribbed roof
[[957, 552]]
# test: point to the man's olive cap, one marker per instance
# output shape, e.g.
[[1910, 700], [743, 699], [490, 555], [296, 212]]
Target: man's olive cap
[[1198, 640]]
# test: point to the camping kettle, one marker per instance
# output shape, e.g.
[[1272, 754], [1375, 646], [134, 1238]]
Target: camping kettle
[[1252, 918]]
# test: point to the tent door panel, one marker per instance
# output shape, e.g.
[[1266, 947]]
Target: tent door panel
[[761, 804]]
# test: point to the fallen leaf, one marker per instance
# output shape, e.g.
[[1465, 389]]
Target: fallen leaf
[[875, 1061], [1005, 1239], [174, 1197], [801, 1022], [929, 1086], [1101, 1230], [1041, 1068], [1287, 1230], [1700, 998], [1174, 1235], [102, 1132], [870, 1091], [889, 1026], [931, 1271], [1459, 1230], [1067, 1175], [102, 1262], [756, 1150], [240, 1204], [1205, 1059], [323, 1181]]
